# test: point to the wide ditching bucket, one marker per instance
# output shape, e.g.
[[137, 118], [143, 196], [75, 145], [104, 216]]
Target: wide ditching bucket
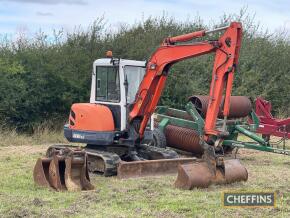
[[65, 169], [201, 174]]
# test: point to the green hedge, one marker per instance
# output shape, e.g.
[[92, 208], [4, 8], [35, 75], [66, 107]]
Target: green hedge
[[42, 76]]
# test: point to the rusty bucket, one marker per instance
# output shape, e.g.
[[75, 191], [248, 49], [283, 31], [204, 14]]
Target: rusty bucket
[[41, 172], [64, 169], [202, 175], [144, 168], [56, 173], [76, 172]]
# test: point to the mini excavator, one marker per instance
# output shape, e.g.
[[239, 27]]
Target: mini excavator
[[117, 126]]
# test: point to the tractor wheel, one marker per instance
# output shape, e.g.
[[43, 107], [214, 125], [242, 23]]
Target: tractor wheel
[[159, 139]]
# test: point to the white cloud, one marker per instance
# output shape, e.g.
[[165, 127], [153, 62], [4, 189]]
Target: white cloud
[[70, 13], [39, 13], [50, 2]]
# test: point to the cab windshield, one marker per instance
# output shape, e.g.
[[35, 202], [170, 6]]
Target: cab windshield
[[107, 83], [134, 75]]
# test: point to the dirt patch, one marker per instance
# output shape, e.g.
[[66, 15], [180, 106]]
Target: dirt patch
[[248, 152], [167, 213], [19, 212], [72, 210], [91, 196], [249, 158], [81, 204], [38, 202]]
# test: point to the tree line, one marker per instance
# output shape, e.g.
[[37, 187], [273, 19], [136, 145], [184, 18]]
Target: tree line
[[41, 76]]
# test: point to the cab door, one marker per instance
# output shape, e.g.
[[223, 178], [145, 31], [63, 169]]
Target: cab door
[[106, 89]]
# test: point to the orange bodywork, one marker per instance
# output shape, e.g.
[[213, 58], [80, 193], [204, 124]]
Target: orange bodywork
[[226, 50], [91, 117]]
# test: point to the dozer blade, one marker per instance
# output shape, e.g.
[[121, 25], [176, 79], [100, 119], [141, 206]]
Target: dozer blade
[[41, 172], [137, 169], [201, 175]]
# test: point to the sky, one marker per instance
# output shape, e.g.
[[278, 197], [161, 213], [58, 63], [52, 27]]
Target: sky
[[31, 15]]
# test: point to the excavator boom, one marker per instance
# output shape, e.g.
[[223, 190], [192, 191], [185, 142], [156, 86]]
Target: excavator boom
[[213, 168], [226, 50]]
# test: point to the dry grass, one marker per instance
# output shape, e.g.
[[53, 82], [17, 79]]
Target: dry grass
[[146, 197], [41, 136]]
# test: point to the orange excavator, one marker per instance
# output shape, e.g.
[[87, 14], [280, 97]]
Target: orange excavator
[[116, 124]]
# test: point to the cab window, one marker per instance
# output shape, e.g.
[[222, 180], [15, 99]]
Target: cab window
[[107, 84], [134, 75]]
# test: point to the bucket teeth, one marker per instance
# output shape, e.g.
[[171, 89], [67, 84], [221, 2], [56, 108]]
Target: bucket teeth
[[201, 175], [65, 170]]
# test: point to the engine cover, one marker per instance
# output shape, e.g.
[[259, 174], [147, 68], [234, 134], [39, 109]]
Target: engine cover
[[91, 117]]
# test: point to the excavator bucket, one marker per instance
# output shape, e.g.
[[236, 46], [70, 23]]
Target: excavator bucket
[[41, 172], [202, 175], [137, 169], [64, 169], [76, 173], [57, 169]]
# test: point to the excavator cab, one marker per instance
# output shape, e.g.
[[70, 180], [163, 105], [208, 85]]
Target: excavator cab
[[103, 121], [115, 83]]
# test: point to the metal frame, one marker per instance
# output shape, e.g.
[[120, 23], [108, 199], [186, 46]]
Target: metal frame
[[234, 128], [270, 125]]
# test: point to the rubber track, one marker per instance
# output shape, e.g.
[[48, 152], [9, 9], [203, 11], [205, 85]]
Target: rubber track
[[110, 161], [163, 153]]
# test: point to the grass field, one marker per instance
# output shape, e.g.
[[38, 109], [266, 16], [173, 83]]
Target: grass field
[[146, 197]]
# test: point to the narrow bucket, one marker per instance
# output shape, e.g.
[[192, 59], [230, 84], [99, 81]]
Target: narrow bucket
[[41, 172], [201, 175], [64, 169], [57, 173], [76, 173]]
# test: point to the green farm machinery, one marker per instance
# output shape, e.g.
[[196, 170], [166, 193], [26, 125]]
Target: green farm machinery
[[184, 130]]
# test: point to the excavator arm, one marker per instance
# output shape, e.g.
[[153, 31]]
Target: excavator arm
[[226, 50], [212, 168]]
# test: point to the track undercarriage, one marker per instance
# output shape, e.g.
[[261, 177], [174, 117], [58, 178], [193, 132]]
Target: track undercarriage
[[105, 160]]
